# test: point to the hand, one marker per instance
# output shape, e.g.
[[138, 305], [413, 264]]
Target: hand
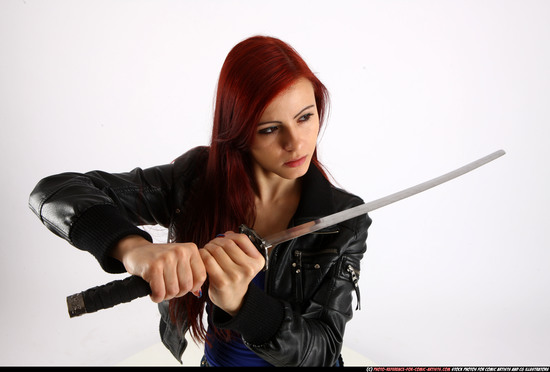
[[232, 261], [172, 270]]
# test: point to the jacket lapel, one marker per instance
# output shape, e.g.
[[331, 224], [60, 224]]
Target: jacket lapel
[[316, 199]]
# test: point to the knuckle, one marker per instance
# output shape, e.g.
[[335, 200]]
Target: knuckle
[[186, 286], [179, 254], [157, 294], [207, 259], [165, 258], [186, 248], [201, 276], [217, 250], [250, 271], [210, 247], [238, 276], [222, 283], [156, 268], [172, 290]]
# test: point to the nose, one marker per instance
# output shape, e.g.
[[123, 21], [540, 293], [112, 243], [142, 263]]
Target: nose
[[291, 141]]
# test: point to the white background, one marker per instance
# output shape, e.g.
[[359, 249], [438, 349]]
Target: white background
[[455, 276]]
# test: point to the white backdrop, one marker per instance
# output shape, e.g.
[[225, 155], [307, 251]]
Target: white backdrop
[[456, 276]]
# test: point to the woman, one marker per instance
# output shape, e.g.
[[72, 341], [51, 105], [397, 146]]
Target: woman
[[261, 169]]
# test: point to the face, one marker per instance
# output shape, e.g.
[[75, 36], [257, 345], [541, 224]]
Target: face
[[286, 135]]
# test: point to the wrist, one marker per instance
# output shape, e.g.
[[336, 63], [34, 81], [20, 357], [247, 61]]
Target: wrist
[[127, 244]]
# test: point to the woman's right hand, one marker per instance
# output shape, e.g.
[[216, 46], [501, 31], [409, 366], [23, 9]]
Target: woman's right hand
[[172, 269]]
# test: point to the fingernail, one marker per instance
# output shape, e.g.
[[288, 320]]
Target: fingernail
[[220, 236], [198, 293]]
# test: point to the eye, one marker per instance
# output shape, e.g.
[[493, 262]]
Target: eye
[[305, 117], [268, 130]]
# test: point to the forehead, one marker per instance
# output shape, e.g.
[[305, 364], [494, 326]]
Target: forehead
[[293, 99]]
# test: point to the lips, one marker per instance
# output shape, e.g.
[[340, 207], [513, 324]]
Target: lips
[[296, 163]]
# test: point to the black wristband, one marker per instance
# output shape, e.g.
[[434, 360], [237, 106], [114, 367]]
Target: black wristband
[[97, 231]]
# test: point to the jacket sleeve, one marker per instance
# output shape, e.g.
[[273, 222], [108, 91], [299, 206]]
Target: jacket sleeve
[[313, 336], [94, 210]]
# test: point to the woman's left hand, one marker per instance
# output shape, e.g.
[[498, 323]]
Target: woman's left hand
[[231, 261]]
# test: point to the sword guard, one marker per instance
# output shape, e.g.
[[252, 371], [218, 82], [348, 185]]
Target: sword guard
[[261, 245]]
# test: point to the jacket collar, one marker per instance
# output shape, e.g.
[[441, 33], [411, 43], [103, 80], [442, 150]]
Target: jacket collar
[[316, 199]]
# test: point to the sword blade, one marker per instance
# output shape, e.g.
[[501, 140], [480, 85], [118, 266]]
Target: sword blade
[[126, 290], [333, 219]]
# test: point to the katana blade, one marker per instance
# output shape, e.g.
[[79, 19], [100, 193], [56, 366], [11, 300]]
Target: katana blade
[[264, 244], [120, 291]]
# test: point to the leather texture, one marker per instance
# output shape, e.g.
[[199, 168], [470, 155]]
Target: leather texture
[[299, 319]]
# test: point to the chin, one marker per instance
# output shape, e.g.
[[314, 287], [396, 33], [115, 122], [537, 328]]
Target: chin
[[295, 173]]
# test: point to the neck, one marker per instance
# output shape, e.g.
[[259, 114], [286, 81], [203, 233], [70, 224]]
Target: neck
[[273, 189], [276, 202]]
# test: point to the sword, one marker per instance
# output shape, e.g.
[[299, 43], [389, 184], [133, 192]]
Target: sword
[[264, 245], [120, 291]]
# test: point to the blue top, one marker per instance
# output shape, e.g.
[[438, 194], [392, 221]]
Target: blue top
[[233, 353]]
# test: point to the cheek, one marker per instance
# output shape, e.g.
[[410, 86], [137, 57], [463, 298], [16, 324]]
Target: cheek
[[262, 151], [261, 142], [313, 135], [259, 146]]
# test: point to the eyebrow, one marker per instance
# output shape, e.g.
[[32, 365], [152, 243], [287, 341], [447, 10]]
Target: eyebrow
[[298, 114], [305, 108]]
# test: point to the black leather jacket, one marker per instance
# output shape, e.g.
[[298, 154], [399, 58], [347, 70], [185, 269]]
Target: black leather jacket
[[300, 317]]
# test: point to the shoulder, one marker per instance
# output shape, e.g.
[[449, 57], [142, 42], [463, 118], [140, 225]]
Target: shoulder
[[187, 170], [196, 155], [321, 198], [190, 162], [343, 200]]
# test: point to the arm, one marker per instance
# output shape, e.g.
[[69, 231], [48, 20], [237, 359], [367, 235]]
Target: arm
[[95, 210], [232, 261], [285, 335], [99, 212]]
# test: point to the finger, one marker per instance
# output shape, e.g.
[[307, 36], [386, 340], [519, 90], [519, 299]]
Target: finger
[[184, 277], [245, 254], [244, 244], [224, 252], [158, 291], [213, 268], [237, 254], [242, 252], [172, 281], [235, 264], [232, 243], [198, 271]]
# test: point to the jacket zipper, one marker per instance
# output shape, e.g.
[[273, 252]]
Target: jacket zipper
[[355, 280], [297, 266], [273, 262], [273, 255]]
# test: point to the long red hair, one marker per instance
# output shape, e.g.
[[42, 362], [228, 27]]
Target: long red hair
[[255, 71]]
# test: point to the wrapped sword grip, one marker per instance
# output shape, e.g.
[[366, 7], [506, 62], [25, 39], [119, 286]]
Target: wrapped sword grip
[[107, 295], [126, 290]]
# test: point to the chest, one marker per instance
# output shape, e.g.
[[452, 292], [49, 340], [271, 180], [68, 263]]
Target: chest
[[275, 217]]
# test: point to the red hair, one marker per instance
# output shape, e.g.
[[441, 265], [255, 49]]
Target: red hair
[[255, 71]]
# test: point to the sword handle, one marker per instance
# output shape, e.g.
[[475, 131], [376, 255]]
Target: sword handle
[[261, 245], [107, 295], [128, 289]]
